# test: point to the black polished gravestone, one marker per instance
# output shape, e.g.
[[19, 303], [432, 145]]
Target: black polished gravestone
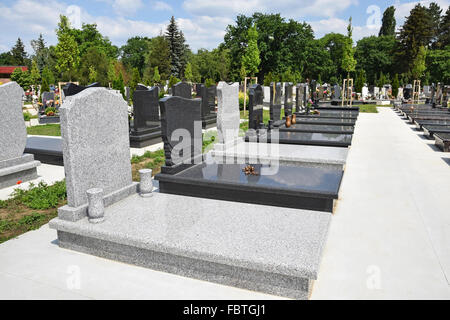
[[333, 114], [145, 128], [46, 149], [275, 101], [336, 93], [255, 107], [301, 127], [209, 115], [430, 130], [48, 100], [301, 96], [72, 89], [327, 139], [442, 141], [182, 89], [181, 129], [288, 99], [325, 121], [302, 187]]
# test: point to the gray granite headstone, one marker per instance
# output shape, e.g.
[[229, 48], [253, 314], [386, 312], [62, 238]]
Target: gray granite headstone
[[96, 149], [228, 116], [275, 101], [182, 89], [180, 120], [13, 133], [14, 164]]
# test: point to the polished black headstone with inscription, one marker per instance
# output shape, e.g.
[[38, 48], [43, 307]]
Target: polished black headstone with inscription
[[212, 94], [288, 98], [146, 127], [181, 130], [71, 89], [208, 112], [182, 89], [275, 101], [255, 106]]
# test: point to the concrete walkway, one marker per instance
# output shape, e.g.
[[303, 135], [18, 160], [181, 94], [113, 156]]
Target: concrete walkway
[[390, 235], [389, 238]]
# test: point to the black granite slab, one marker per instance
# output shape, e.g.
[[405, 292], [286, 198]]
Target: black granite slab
[[430, 130], [71, 89], [326, 121], [255, 106], [182, 89], [302, 187], [46, 150], [302, 138], [275, 101], [420, 123], [336, 108], [332, 115], [146, 125], [299, 127], [442, 141]]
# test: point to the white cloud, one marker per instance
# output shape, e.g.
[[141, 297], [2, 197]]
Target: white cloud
[[127, 7], [287, 8], [161, 6]]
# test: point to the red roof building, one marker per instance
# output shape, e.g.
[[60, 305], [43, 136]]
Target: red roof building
[[5, 72]]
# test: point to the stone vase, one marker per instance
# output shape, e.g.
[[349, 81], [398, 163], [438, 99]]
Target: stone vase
[[288, 121]]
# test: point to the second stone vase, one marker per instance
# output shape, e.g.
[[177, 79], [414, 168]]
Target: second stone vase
[[288, 121]]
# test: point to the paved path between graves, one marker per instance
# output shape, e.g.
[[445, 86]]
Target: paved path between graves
[[388, 239], [390, 235]]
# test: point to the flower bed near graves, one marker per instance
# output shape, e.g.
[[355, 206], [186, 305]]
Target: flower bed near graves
[[30, 209]]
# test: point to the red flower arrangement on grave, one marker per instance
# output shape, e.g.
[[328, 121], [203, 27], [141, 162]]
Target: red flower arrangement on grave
[[19, 182]]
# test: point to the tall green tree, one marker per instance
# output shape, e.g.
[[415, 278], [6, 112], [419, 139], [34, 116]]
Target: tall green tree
[[19, 54], [417, 31], [388, 22], [250, 60], [348, 60], [360, 80], [188, 75], [135, 52], [434, 10], [94, 66], [395, 85], [67, 52], [375, 54], [418, 65], [438, 65], [159, 56], [89, 36], [443, 38], [177, 48]]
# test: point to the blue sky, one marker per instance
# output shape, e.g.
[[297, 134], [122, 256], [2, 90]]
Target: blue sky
[[202, 21]]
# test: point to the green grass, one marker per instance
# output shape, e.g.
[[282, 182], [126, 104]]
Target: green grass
[[50, 129], [30, 209], [266, 115], [367, 108]]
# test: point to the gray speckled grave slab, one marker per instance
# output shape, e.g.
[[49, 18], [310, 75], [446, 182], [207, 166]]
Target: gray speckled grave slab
[[248, 246], [284, 153], [14, 165]]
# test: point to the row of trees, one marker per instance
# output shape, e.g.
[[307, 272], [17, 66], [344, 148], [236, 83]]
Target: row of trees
[[263, 45]]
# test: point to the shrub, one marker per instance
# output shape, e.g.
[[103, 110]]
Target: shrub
[[27, 116], [209, 82], [41, 196], [241, 101], [50, 111]]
